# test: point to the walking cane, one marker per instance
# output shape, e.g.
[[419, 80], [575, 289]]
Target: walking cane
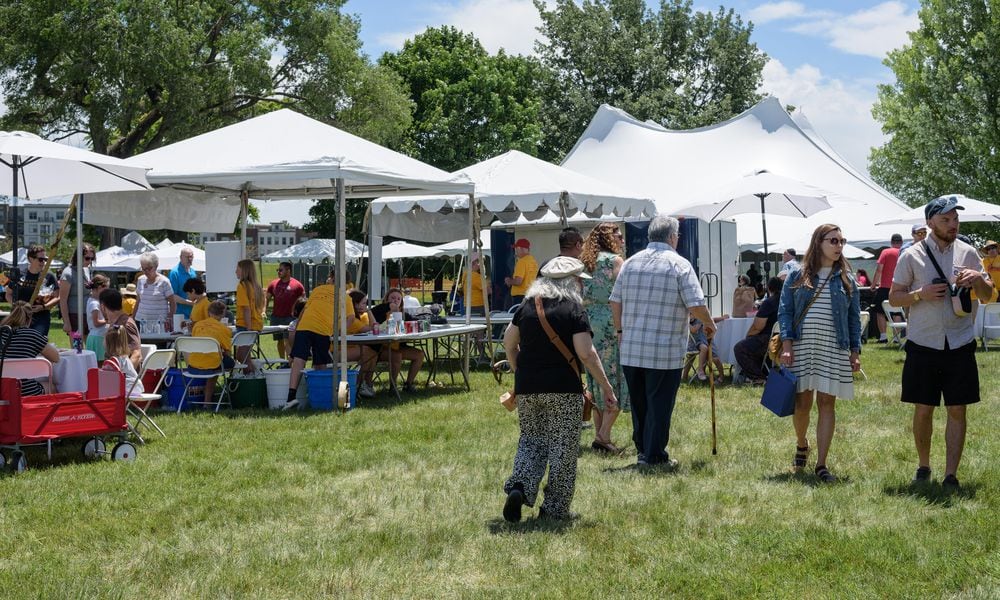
[[711, 386]]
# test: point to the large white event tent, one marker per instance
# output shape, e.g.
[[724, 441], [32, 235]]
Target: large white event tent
[[168, 257], [508, 185], [286, 155], [677, 167]]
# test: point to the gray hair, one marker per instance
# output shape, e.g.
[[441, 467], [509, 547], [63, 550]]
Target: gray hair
[[565, 288], [149, 260], [662, 227]]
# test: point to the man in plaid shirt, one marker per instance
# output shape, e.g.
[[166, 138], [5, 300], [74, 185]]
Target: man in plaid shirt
[[655, 292]]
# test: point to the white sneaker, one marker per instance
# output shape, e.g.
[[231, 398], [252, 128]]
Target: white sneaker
[[290, 405], [366, 391]]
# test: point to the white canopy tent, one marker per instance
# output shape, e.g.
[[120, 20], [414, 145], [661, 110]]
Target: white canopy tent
[[283, 154], [315, 250], [134, 243], [168, 257], [399, 250], [974, 211], [22, 260], [460, 247], [507, 186], [678, 167]]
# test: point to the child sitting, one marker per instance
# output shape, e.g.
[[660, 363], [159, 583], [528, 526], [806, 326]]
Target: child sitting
[[116, 353], [698, 342], [96, 323], [204, 363]]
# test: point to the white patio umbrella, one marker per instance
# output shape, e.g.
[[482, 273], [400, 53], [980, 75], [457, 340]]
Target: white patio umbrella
[[316, 250], [42, 169], [461, 247], [975, 211], [763, 192]]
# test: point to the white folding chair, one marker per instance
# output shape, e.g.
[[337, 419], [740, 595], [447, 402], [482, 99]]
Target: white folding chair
[[864, 326], [895, 320], [991, 323], [247, 340], [186, 346], [38, 368], [157, 360]]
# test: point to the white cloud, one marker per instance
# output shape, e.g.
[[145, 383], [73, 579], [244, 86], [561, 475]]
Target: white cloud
[[508, 24], [776, 11], [870, 32], [840, 110]]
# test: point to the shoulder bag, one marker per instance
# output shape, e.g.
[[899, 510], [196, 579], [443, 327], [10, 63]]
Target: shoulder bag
[[588, 398], [774, 344]]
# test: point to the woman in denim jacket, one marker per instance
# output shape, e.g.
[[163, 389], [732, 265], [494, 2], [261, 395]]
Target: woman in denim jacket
[[821, 348]]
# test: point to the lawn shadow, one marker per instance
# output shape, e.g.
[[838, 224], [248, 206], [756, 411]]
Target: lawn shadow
[[645, 470], [806, 478], [932, 493], [499, 526]]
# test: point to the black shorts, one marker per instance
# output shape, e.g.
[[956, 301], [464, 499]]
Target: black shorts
[[309, 343], [880, 295], [928, 374], [282, 335]]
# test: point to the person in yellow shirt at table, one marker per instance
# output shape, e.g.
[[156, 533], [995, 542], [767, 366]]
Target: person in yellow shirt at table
[[206, 363], [312, 335], [479, 289], [525, 271], [991, 265], [195, 290]]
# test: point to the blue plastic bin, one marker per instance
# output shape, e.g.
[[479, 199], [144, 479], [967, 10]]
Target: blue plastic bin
[[320, 382], [174, 383]]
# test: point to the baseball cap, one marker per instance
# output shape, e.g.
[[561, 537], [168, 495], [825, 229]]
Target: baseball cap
[[522, 243], [941, 204], [918, 227]]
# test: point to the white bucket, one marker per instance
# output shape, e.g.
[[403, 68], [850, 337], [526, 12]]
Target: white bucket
[[277, 388]]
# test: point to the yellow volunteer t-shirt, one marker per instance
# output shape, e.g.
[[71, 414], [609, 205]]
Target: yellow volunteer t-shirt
[[244, 300], [527, 269], [217, 331], [477, 287], [357, 324], [199, 312], [128, 305], [317, 316]]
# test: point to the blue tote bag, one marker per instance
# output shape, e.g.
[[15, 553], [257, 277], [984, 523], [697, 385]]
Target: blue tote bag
[[779, 392]]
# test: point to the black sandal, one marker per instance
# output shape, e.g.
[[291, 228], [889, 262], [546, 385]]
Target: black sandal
[[800, 458], [825, 475]]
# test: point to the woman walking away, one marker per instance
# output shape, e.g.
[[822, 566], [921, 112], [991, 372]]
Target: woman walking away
[[820, 319], [602, 257], [549, 392]]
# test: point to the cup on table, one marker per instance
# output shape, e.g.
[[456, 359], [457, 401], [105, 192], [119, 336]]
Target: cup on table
[[178, 322]]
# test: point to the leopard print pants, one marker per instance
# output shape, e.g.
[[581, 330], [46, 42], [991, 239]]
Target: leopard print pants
[[550, 436]]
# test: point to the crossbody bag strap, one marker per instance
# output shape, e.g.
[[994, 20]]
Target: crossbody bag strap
[[927, 249], [808, 306], [555, 339]]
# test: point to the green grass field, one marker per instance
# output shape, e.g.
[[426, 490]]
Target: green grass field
[[403, 499]]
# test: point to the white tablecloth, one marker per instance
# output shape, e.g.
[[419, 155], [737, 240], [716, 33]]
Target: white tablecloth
[[729, 332], [70, 372]]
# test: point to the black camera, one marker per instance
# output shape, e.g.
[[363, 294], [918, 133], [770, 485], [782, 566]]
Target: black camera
[[952, 288]]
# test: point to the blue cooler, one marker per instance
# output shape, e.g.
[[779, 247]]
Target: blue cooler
[[321, 386], [173, 387]]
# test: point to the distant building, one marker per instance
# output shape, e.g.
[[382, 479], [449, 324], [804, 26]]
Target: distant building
[[38, 220], [264, 238]]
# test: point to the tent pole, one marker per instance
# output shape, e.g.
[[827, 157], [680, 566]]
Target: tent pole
[[471, 249], [81, 313], [562, 210], [244, 203], [14, 266], [763, 225], [340, 317]]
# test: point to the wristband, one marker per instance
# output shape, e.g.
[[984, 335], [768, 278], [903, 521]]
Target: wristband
[[619, 331]]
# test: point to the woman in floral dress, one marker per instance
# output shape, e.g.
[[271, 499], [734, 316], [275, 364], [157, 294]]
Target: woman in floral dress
[[602, 258]]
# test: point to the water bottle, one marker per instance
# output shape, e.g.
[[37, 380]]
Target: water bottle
[[77, 341]]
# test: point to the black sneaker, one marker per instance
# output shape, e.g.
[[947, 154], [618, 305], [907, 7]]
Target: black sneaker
[[950, 482], [923, 475], [512, 507]]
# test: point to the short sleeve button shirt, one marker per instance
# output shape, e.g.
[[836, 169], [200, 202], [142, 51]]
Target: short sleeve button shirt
[[656, 287]]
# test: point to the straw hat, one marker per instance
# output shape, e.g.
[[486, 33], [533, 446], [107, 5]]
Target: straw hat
[[129, 290], [564, 266]]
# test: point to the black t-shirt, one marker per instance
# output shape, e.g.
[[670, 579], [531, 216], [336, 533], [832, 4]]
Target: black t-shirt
[[768, 309], [26, 287], [541, 368], [380, 312], [26, 343]]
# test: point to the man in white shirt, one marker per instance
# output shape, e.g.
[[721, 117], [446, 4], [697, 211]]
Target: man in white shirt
[[790, 263], [409, 301]]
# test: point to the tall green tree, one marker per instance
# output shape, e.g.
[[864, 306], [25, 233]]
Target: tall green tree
[[132, 76], [469, 105], [675, 66], [943, 111]]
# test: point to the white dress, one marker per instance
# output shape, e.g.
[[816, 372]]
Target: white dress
[[819, 362]]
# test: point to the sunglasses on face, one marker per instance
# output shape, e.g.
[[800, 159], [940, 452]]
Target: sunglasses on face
[[91, 257], [41, 258], [836, 241]]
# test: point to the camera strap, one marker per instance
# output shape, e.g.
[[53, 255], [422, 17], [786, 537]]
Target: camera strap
[[934, 260]]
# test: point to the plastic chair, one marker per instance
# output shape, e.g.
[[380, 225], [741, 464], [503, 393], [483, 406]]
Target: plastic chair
[[30, 368], [186, 346], [865, 317], [244, 339], [991, 312], [157, 360], [895, 320]]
